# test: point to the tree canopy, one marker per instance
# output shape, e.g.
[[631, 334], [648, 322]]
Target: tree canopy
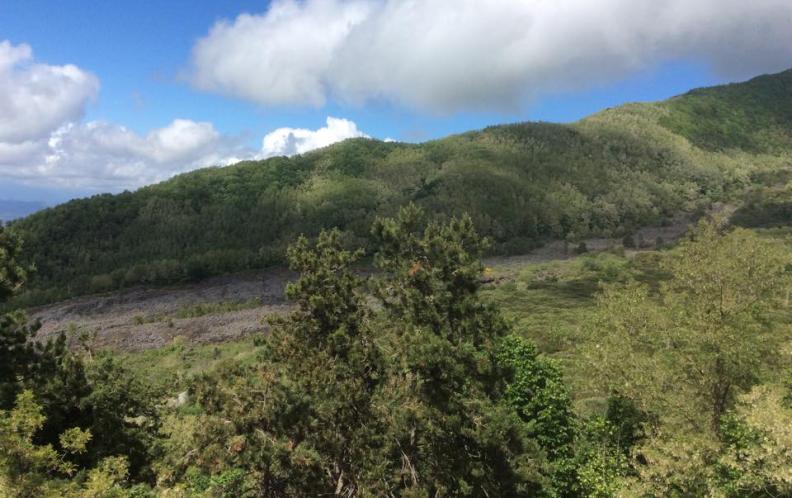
[[522, 184]]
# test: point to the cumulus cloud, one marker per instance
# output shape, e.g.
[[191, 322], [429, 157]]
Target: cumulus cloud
[[35, 98], [44, 142], [449, 55], [107, 156], [290, 141], [281, 57], [100, 156]]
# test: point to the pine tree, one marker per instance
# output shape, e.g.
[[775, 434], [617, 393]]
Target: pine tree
[[302, 420], [449, 431]]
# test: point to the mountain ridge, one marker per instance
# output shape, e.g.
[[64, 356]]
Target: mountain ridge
[[522, 183]]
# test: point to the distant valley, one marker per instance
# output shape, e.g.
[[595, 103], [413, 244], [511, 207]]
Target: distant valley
[[11, 210]]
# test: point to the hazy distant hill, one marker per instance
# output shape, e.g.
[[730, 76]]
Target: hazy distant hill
[[522, 183], [11, 210]]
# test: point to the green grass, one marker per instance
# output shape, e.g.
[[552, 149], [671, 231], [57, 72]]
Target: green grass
[[553, 303], [204, 309], [198, 310], [172, 366]]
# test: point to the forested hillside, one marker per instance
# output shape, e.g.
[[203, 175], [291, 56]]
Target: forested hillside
[[617, 374], [522, 184]]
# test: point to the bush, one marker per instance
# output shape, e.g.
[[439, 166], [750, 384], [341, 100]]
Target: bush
[[628, 241]]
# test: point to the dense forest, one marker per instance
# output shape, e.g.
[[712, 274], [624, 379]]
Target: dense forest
[[522, 184], [411, 382]]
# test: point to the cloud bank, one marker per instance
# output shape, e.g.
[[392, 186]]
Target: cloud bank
[[102, 156], [452, 55], [107, 156], [44, 141], [278, 58]]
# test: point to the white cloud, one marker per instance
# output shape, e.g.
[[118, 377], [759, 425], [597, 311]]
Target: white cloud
[[99, 156], [36, 99], [44, 142], [182, 138], [106, 156], [290, 141], [448, 55], [281, 57]]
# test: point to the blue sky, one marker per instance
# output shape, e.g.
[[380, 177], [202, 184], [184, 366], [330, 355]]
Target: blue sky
[[149, 68]]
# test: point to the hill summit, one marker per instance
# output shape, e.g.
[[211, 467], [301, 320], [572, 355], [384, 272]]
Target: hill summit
[[522, 184]]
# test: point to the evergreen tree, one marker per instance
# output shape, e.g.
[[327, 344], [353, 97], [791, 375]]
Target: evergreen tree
[[449, 431], [407, 394], [70, 393], [301, 419]]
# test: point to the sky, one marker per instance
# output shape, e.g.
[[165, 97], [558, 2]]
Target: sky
[[102, 96]]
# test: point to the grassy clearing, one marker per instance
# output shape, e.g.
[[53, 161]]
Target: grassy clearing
[[552, 303], [549, 302], [172, 366]]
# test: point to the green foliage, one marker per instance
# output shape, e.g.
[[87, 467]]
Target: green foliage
[[612, 446], [120, 411], [12, 275], [411, 384], [18, 453], [537, 392], [412, 393], [74, 399], [522, 184], [448, 429], [724, 287], [99, 396], [706, 334], [26, 468], [203, 309], [685, 359], [599, 464], [305, 423], [627, 424], [754, 116], [756, 459]]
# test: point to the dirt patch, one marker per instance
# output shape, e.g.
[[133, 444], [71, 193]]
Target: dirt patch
[[646, 238], [143, 318]]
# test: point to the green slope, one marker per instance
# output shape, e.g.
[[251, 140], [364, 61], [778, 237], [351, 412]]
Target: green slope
[[522, 184], [755, 116]]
